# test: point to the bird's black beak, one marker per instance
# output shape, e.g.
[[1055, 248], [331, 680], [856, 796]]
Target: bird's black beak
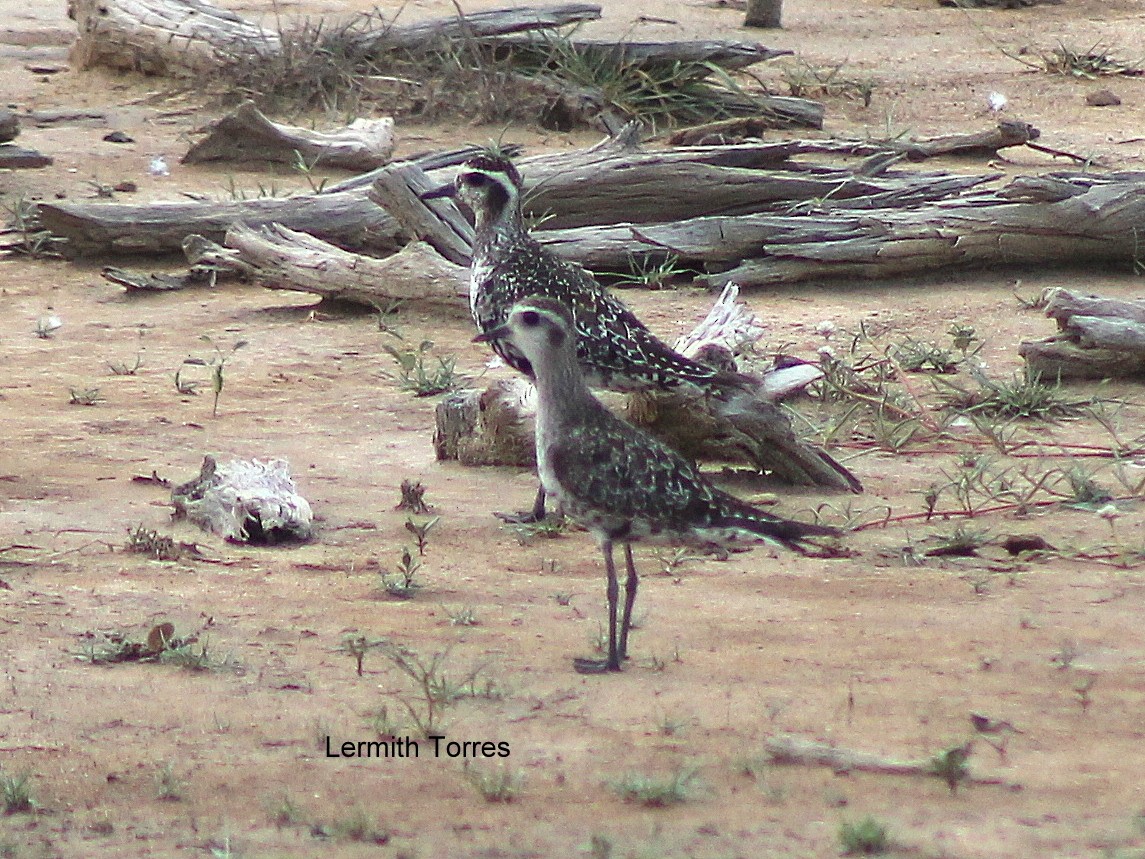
[[447, 190], [498, 333]]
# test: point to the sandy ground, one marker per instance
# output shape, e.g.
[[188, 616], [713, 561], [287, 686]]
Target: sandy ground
[[885, 651]]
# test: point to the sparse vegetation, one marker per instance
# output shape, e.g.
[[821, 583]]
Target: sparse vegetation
[[402, 582], [500, 784], [866, 837], [216, 365], [84, 396], [658, 791], [16, 791], [170, 788], [416, 374]]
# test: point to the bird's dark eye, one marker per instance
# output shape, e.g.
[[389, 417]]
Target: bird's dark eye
[[476, 180], [531, 318]]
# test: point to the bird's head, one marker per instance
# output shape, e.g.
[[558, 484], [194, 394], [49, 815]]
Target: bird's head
[[536, 327]]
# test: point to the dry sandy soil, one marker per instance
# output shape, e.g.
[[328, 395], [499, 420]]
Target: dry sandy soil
[[885, 651]]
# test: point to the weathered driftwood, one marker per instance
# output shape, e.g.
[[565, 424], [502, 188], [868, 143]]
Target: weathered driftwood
[[789, 750], [346, 219], [278, 258], [495, 426], [1098, 338], [341, 214], [181, 38], [245, 501], [399, 189], [429, 35], [248, 135], [1098, 224]]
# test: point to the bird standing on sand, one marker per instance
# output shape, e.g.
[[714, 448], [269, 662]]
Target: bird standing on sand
[[615, 349], [620, 483]]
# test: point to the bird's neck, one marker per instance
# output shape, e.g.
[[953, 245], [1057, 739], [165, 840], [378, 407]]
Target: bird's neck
[[562, 391], [497, 224]]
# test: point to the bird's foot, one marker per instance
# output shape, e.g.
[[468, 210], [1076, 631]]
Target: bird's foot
[[584, 665]]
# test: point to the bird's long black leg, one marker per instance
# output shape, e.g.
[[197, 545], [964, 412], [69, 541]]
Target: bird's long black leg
[[526, 517], [630, 585], [612, 663]]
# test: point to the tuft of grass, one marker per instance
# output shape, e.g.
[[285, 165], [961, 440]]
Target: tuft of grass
[[285, 811], [169, 787], [650, 272], [31, 239], [465, 615], [84, 396], [804, 80], [418, 375], [16, 792], [1024, 395], [657, 791], [358, 826], [866, 837], [1088, 63], [496, 785]]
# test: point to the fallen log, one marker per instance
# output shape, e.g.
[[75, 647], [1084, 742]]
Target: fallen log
[[1098, 224], [247, 134], [181, 38], [346, 219], [1098, 338], [185, 38], [341, 214], [278, 258], [789, 750]]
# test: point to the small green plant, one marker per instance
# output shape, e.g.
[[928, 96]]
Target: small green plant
[[217, 365], [170, 788], [146, 541], [650, 272], [420, 531], [465, 615], [31, 238], [84, 396], [16, 791], [1082, 687], [804, 80], [552, 526], [402, 583], [359, 826], [122, 368], [501, 784], [1025, 395], [417, 375], [867, 837], [358, 645], [920, 356], [657, 791], [950, 766]]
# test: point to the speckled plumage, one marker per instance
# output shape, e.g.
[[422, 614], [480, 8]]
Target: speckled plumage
[[614, 348], [622, 484]]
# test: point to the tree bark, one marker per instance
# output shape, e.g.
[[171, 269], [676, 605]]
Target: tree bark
[[764, 13]]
